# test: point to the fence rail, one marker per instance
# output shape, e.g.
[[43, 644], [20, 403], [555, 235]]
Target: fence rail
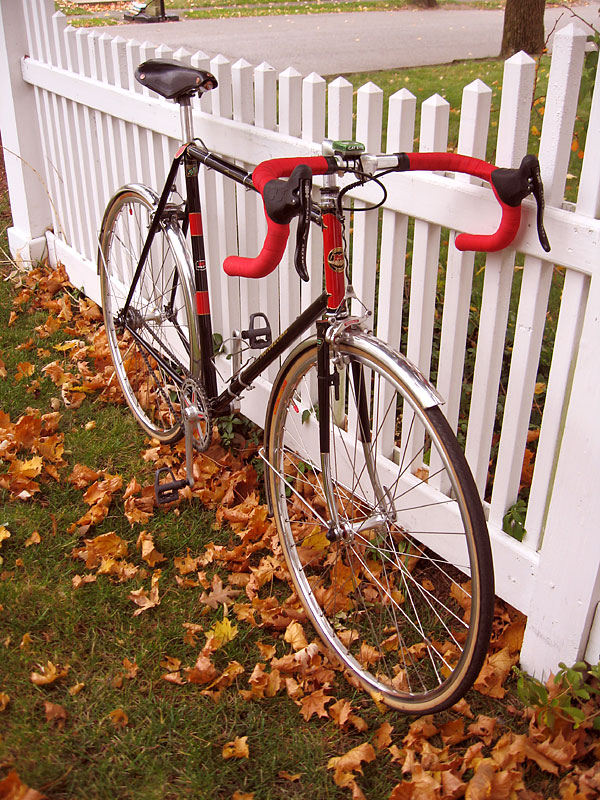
[[76, 116]]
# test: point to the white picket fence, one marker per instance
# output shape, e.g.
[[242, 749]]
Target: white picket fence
[[75, 126]]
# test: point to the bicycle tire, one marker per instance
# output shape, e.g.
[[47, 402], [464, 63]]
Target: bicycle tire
[[413, 629], [155, 349]]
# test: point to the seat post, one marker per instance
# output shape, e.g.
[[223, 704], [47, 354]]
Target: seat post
[[187, 121]]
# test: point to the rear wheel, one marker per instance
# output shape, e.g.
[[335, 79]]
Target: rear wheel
[[154, 345], [385, 540]]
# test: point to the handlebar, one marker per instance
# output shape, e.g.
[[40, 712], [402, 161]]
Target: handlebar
[[510, 187]]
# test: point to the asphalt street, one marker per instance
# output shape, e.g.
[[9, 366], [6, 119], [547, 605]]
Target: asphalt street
[[332, 44]]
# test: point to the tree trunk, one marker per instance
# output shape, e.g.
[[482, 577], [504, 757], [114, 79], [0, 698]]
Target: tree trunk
[[523, 27]]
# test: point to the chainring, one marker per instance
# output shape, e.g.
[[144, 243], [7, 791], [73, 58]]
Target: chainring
[[192, 395]]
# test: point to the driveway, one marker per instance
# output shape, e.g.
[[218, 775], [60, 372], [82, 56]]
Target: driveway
[[333, 44]]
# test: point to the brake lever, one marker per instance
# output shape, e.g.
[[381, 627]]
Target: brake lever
[[537, 189], [513, 185], [305, 198]]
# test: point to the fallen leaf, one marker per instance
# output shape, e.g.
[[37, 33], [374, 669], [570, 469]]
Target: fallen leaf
[[238, 748], [4, 700], [55, 714], [315, 703], [218, 595], [294, 635], [221, 633], [144, 599], [383, 736], [48, 674], [150, 554], [12, 788], [119, 718], [35, 538], [345, 766]]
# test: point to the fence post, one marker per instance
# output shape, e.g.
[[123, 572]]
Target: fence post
[[21, 140]]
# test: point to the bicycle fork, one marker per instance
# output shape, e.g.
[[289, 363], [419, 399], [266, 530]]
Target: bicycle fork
[[330, 375]]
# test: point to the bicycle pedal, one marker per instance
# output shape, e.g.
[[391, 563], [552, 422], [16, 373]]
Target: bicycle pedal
[[167, 492], [258, 337]]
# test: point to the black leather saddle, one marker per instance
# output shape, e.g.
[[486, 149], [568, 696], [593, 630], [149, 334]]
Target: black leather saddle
[[174, 80]]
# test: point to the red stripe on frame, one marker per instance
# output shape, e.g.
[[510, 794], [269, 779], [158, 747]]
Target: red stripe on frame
[[196, 224], [202, 303]]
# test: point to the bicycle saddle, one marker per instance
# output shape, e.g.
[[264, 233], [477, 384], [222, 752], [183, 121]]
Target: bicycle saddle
[[174, 80]]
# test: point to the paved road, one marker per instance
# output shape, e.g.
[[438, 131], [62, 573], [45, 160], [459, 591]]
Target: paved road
[[333, 44]]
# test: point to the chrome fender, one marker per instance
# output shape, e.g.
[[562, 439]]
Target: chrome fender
[[414, 382]]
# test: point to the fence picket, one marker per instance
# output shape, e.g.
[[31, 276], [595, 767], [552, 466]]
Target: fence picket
[[339, 109], [247, 208], [518, 82], [265, 111], [568, 334], [560, 110], [313, 130], [43, 103], [394, 237], [369, 110], [394, 227], [74, 198], [223, 237], [513, 133], [435, 114], [290, 123], [290, 102]]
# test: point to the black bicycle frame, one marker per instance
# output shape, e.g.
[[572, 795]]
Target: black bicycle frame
[[191, 155]]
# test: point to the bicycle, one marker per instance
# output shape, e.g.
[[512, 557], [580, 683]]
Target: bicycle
[[364, 476]]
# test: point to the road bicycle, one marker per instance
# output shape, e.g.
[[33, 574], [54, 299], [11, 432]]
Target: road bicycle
[[364, 476]]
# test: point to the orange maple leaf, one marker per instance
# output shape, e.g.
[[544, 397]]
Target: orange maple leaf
[[315, 704], [218, 594]]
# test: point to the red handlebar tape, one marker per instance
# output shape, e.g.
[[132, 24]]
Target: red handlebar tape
[[453, 162], [277, 235]]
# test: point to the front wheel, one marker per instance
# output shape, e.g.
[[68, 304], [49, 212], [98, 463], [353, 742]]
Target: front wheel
[[152, 338], [385, 538]]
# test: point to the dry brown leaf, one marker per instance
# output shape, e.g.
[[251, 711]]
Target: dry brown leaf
[[12, 788], [218, 595], [294, 635], [340, 712], [4, 700], [238, 748], [55, 714], [150, 554], [287, 776], [480, 785], [82, 476], [453, 732], [35, 538], [484, 728], [345, 766], [383, 736], [119, 718], [315, 703], [48, 674], [203, 671], [494, 672], [144, 599]]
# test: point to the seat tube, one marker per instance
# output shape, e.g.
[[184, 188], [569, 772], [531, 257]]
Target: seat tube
[[209, 376]]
